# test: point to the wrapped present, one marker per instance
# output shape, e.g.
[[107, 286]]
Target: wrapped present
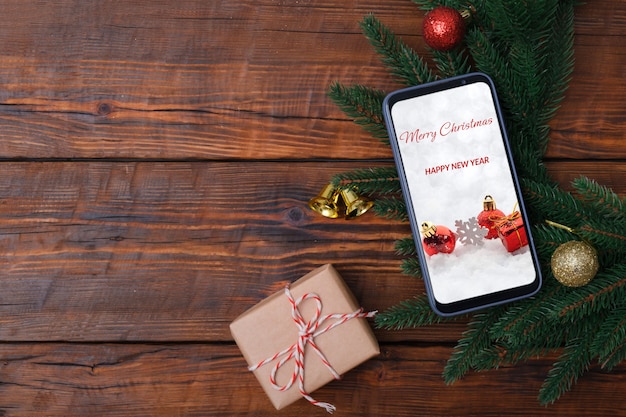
[[299, 339], [512, 232]]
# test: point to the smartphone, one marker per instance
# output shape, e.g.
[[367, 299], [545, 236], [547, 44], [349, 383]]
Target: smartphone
[[462, 194]]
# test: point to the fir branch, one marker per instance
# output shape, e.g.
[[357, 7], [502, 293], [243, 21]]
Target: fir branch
[[427, 5], [609, 258], [451, 63], [525, 83], [473, 341], [610, 339], [515, 53], [411, 267], [410, 313], [603, 200], [616, 357], [527, 157], [490, 60], [529, 322], [502, 352], [550, 202], [364, 105], [515, 21], [431, 4], [391, 208], [612, 239], [491, 357], [604, 292], [557, 72], [406, 247], [547, 239], [572, 363], [517, 90], [403, 61], [381, 180], [527, 48]]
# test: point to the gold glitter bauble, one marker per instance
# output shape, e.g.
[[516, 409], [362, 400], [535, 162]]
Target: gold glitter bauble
[[574, 263]]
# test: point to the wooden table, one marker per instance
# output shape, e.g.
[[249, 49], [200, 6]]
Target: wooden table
[[157, 158]]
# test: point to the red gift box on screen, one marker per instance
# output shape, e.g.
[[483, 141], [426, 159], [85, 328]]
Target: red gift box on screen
[[512, 232]]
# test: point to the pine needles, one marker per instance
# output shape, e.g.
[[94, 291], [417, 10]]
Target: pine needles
[[362, 104], [402, 61], [409, 313], [527, 48]]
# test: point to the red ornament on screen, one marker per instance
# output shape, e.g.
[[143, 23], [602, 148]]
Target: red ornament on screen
[[437, 239], [443, 28], [488, 217]]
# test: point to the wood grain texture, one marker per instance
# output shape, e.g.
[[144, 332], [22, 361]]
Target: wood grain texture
[[157, 158], [131, 247], [212, 380], [219, 80], [145, 251]]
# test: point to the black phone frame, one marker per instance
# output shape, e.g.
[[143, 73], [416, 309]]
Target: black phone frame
[[486, 300]]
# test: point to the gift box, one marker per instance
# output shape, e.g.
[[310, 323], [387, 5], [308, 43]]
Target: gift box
[[512, 232], [331, 334]]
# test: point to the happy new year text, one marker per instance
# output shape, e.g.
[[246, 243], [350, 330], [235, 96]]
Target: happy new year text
[[456, 165]]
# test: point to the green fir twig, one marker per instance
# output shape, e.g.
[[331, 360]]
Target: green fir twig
[[528, 51], [406, 247], [573, 362], [381, 180], [402, 61], [410, 313], [392, 208], [603, 200], [363, 105], [473, 341], [610, 340], [411, 267]]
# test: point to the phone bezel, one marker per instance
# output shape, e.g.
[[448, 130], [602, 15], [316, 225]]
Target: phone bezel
[[486, 300]]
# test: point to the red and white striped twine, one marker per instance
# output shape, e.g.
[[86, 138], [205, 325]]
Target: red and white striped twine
[[307, 332]]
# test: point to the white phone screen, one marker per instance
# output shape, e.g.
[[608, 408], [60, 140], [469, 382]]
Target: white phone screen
[[453, 155]]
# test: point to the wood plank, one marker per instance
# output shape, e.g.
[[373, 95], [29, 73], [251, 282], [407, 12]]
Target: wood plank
[[224, 81], [167, 154], [595, 128], [590, 122], [610, 174], [171, 251], [212, 380], [151, 251]]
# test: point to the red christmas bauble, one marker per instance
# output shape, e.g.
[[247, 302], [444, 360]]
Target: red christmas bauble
[[443, 28], [442, 240], [486, 219], [489, 216]]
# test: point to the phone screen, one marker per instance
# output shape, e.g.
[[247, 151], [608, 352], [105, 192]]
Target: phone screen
[[462, 196]]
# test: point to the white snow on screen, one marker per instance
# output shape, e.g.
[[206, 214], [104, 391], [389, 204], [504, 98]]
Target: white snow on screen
[[453, 194]]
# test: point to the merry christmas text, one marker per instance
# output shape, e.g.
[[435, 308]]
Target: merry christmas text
[[456, 165], [446, 129]]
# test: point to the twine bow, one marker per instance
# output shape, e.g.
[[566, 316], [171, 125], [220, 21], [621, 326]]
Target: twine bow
[[307, 332], [502, 220], [499, 221]]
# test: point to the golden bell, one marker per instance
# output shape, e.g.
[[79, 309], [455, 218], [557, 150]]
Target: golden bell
[[325, 203], [355, 205]]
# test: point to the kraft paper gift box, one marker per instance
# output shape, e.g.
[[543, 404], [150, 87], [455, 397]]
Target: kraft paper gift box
[[269, 328]]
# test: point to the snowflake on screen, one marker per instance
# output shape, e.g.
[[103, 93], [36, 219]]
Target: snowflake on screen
[[469, 232]]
